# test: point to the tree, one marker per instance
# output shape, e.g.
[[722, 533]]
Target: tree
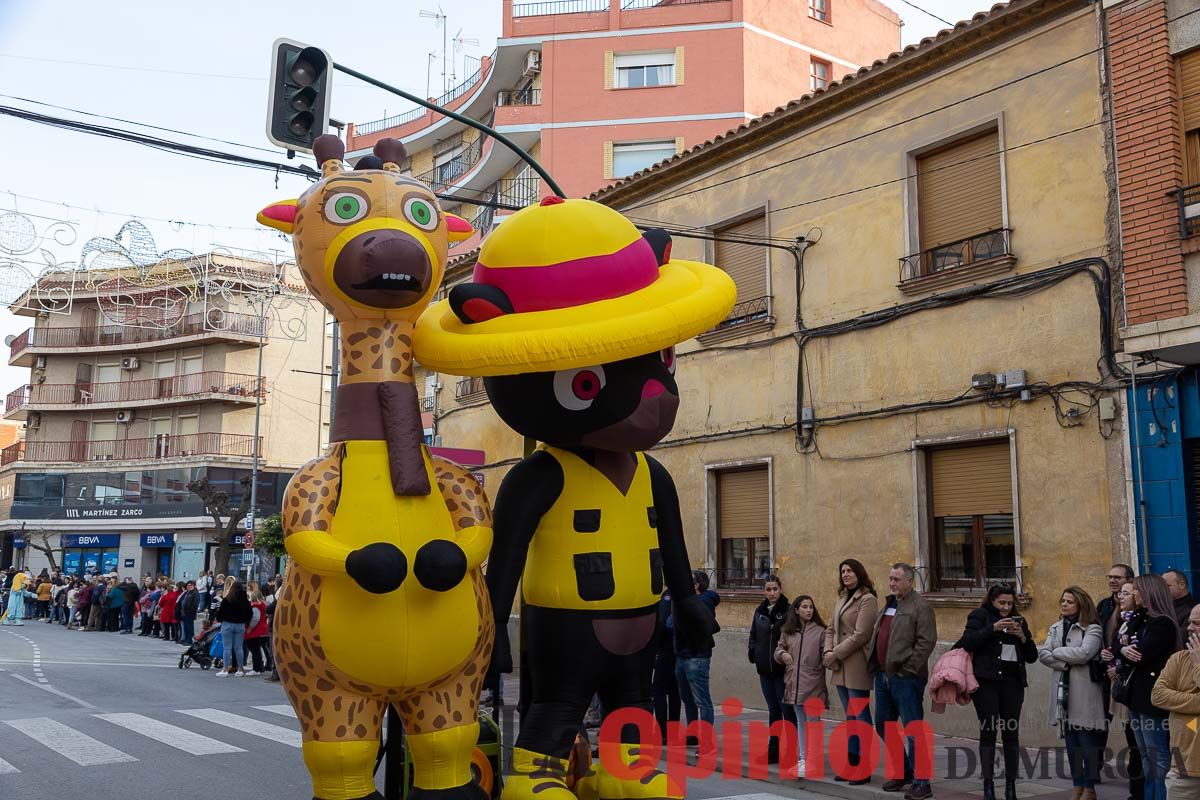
[[270, 538], [217, 504], [46, 549]]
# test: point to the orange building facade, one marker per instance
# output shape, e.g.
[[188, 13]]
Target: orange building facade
[[597, 90]]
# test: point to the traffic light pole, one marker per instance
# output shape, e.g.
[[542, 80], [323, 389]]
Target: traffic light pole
[[477, 125]]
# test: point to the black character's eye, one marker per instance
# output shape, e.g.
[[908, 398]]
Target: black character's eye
[[575, 389], [668, 358]]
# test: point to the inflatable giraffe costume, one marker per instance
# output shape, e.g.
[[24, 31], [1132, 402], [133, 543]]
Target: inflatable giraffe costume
[[384, 601]]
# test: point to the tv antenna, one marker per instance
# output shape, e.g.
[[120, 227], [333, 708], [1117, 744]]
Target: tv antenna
[[440, 20], [459, 43]]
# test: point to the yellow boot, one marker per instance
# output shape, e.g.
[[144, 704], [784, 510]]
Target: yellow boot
[[342, 770], [536, 776], [442, 764], [649, 783]]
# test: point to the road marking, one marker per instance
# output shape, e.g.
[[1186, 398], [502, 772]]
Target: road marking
[[248, 725], [80, 748], [6, 768], [94, 663], [52, 690], [179, 738], [285, 710]]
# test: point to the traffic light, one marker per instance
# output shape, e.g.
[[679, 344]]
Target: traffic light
[[298, 108]]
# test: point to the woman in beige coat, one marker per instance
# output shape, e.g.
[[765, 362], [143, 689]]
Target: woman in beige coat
[[845, 650], [799, 650]]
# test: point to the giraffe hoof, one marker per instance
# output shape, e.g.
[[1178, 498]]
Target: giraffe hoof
[[371, 796], [440, 565], [379, 568]]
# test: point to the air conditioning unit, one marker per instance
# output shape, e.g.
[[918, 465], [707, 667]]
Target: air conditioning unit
[[130, 362], [533, 63], [125, 416], [39, 362], [34, 420]]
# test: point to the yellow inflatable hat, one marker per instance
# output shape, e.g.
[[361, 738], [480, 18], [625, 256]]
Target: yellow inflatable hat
[[567, 284]]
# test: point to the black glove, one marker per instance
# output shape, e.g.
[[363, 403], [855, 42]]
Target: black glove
[[695, 622], [501, 660], [379, 568]]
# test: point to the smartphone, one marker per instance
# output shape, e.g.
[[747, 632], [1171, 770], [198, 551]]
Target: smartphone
[[1017, 618]]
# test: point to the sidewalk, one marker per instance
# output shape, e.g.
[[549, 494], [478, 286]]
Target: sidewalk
[[958, 780]]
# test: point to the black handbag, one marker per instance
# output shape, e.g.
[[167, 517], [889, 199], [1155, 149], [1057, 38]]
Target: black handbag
[[1097, 671], [1121, 687]]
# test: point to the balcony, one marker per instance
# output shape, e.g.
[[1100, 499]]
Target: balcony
[[421, 127], [746, 317], [1188, 199], [470, 390], [577, 16], [519, 97], [197, 387], [238, 328], [152, 448], [979, 256]]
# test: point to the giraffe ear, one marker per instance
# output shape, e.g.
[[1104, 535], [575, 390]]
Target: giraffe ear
[[281, 216]]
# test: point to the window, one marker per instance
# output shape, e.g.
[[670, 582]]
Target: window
[[818, 74], [448, 162], [819, 10], [643, 70], [744, 526], [747, 264], [959, 204], [974, 542], [630, 157], [1188, 67]]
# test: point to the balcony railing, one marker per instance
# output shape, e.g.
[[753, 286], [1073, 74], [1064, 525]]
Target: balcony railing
[[519, 97], [482, 221], [520, 191], [178, 387], [116, 336], [747, 311], [374, 126], [468, 389], [427, 403], [558, 7], [150, 448], [631, 5], [444, 175], [1189, 210], [956, 580], [963, 253]]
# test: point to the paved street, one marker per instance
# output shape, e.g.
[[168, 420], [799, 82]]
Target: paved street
[[103, 711]]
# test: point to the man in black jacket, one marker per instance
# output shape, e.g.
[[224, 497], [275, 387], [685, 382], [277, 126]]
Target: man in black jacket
[[1177, 584], [1110, 621]]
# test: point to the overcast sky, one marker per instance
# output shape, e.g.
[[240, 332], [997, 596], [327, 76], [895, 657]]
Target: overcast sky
[[202, 68]]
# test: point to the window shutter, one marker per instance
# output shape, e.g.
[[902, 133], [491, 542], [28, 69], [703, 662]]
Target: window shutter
[[608, 161], [609, 69], [958, 191], [678, 145], [744, 504], [972, 480], [1189, 89], [745, 263], [679, 66]]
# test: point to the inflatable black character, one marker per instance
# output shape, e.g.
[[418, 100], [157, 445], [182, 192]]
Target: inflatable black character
[[572, 318]]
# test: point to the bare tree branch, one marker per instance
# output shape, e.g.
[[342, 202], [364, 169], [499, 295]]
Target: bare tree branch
[[45, 548], [226, 517]]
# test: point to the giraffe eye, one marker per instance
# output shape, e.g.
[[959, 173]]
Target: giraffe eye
[[421, 213], [344, 208]]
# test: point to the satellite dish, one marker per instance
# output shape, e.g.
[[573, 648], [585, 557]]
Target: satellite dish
[[8, 340]]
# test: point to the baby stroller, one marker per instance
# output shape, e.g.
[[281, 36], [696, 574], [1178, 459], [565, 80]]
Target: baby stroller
[[204, 650]]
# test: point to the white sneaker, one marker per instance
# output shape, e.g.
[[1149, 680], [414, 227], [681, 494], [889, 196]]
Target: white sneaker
[[221, 673], [800, 769], [242, 674], [253, 672]]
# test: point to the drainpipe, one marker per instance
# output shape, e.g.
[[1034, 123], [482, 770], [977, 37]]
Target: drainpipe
[[1138, 540]]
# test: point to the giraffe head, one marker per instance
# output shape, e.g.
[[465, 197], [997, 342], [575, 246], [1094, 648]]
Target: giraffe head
[[370, 242]]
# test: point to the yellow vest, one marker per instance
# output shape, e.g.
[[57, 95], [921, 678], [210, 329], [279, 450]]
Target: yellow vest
[[595, 549], [387, 639]]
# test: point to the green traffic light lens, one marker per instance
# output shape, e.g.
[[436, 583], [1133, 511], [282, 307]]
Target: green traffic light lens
[[301, 124]]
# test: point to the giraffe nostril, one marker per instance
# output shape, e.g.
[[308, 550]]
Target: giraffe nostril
[[368, 240]]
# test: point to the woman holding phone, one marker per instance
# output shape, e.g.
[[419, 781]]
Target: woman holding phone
[[1000, 645]]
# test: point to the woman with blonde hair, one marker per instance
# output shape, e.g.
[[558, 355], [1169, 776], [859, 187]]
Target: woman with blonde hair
[[1076, 701]]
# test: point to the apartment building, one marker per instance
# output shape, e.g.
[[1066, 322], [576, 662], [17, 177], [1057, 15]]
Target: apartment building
[[1156, 130], [597, 90], [138, 391]]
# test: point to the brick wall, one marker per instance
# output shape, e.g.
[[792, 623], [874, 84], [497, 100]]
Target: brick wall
[[1149, 159]]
